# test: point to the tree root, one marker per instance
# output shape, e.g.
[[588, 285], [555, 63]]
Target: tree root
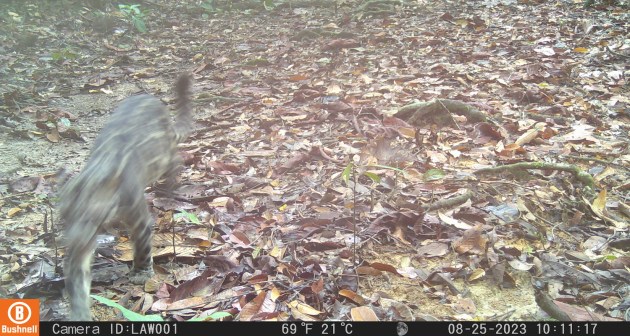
[[447, 203], [439, 111], [545, 302], [580, 175]]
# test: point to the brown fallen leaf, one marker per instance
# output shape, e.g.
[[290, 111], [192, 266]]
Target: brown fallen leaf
[[599, 208], [434, 249], [529, 135], [363, 313], [53, 136], [464, 306], [304, 308], [13, 211], [367, 270], [253, 307], [356, 298], [477, 274], [473, 241], [341, 44], [385, 267]]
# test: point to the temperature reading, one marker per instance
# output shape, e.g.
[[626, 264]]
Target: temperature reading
[[332, 328], [324, 328], [289, 329]]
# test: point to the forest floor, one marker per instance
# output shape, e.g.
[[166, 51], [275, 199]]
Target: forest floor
[[338, 169]]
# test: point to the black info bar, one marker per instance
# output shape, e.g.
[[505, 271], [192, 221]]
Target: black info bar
[[302, 328]]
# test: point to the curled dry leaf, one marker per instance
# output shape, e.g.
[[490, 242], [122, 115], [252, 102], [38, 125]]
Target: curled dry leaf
[[13, 211], [399, 310], [341, 44], [356, 298], [240, 238], [464, 306], [275, 293], [304, 308], [193, 302], [385, 267], [253, 307], [367, 270], [434, 249], [454, 222], [316, 287], [477, 274], [530, 135], [473, 241], [298, 315], [53, 136], [519, 265], [599, 208]]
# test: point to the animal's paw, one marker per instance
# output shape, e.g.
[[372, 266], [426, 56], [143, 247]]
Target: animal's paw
[[139, 276]]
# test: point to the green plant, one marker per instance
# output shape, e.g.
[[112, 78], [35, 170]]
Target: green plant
[[191, 217], [128, 314], [135, 317], [353, 171], [268, 4], [363, 170], [12, 17], [63, 55], [209, 6], [135, 16], [214, 6]]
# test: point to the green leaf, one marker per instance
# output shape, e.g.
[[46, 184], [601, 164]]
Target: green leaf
[[139, 24], [65, 121], [56, 55], [345, 175], [434, 174], [128, 314], [191, 217], [126, 9], [388, 167], [136, 9], [256, 252], [375, 178], [268, 4], [208, 5], [257, 62]]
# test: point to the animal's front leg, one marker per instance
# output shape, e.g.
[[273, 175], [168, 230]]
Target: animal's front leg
[[141, 235], [170, 180]]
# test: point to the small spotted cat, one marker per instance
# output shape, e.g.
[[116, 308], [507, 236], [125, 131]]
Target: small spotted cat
[[137, 147]]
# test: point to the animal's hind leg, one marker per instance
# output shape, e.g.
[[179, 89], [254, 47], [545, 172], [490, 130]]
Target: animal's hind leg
[[78, 280], [141, 228], [169, 182]]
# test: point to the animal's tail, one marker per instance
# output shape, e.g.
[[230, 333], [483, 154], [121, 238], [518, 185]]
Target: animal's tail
[[183, 121]]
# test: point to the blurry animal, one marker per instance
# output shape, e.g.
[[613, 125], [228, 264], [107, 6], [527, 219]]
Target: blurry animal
[[137, 146]]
